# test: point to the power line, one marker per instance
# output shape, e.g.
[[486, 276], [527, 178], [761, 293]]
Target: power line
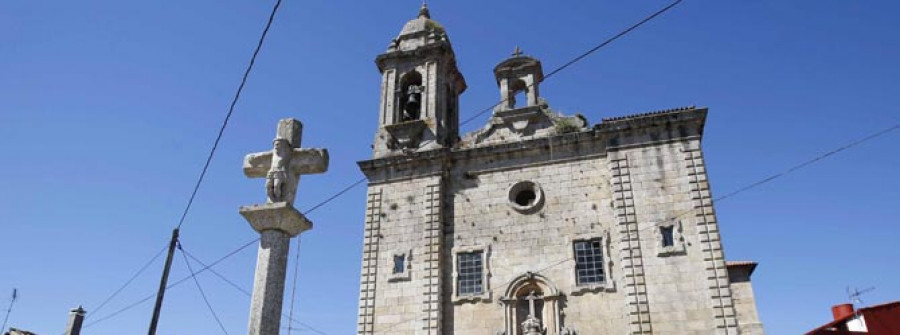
[[550, 74], [291, 320], [237, 96], [294, 286], [176, 283], [200, 288], [346, 189], [811, 161], [791, 169], [729, 195], [338, 194], [582, 56], [128, 282], [236, 286]]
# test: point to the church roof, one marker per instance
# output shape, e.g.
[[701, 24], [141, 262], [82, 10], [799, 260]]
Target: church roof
[[650, 114], [422, 23]]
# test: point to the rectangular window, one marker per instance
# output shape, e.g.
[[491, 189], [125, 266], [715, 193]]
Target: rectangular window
[[470, 269], [588, 262], [399, 263], [668, 238]]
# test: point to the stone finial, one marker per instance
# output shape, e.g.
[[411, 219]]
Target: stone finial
[[423, 11]]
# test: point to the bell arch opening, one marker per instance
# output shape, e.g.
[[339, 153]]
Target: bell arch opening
[[410, 93], [518, 94]]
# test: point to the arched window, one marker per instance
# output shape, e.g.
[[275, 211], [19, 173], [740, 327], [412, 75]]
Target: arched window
[[410, 93], [532, 304]]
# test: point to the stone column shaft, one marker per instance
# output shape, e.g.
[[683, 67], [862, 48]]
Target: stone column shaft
[[276, 224], [268, 284]]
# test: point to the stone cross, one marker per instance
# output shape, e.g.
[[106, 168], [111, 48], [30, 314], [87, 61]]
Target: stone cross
[[277, 221], [531, 298], [532, 325], [517, 52], [283, 165]]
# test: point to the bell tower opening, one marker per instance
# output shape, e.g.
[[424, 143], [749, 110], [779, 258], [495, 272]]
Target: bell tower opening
[[410, 92], [420, 89], [518, 90], [519, 77]]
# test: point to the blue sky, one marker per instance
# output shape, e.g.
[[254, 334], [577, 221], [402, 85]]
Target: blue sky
[[108, 109]]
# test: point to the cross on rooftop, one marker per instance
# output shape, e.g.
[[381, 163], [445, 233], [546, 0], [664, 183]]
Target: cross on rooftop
[[517, 52]]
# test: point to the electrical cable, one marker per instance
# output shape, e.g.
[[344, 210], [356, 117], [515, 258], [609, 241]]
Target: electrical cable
[[200, 288], [790, 170], [178, 282], [294, 286], [551, 73], [128, 282], [338, 194], [736, 192], [237, 96], [582, 56], [248, 293]]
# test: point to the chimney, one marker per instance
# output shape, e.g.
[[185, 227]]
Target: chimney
[[76, 317], [841, 311]]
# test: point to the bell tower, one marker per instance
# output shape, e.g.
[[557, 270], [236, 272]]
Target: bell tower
[[420, 90]]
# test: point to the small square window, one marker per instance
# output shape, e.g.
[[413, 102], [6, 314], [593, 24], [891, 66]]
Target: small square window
[[589, 262], [667, 233], [399, 264], [470, 268]]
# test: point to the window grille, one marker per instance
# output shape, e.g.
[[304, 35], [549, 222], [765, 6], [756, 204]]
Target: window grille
[[470, 268], [588, 262]]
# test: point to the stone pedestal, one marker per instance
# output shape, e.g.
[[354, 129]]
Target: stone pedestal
[[276, 223]]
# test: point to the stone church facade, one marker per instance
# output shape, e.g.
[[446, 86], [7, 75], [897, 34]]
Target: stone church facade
[[537, 223]]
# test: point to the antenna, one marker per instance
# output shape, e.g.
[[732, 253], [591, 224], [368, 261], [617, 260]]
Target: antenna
[[15, 295], [854, 298], [856, 293]]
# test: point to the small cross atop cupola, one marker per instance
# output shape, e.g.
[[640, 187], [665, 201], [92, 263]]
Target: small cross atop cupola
[[420, 90], [518, 74]]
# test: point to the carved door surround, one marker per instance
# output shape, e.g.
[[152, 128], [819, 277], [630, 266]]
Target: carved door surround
[[531, 291]]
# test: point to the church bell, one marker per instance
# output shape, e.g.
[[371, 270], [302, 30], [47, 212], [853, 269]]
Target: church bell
[[413, 103]]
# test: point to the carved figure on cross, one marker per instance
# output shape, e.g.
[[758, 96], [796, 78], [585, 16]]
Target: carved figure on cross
[[283, 165], [277, 221]]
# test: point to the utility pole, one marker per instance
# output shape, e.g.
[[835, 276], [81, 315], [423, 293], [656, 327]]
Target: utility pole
[[15, 295], [163, 282]]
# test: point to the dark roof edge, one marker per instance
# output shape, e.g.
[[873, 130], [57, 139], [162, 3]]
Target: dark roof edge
[[749, 265]]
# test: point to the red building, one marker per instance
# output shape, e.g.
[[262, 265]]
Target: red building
[[881, 319]]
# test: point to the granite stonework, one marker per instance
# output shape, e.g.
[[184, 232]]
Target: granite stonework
[[277, 221], [622, 181]]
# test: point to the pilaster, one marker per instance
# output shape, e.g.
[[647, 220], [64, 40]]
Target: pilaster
[[630, 252], [710, 243], [433, 234], [366, 321]]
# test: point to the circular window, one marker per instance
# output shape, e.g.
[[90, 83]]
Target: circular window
[[526, 196]]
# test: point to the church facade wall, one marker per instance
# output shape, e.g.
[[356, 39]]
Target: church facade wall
[[537, 223]]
